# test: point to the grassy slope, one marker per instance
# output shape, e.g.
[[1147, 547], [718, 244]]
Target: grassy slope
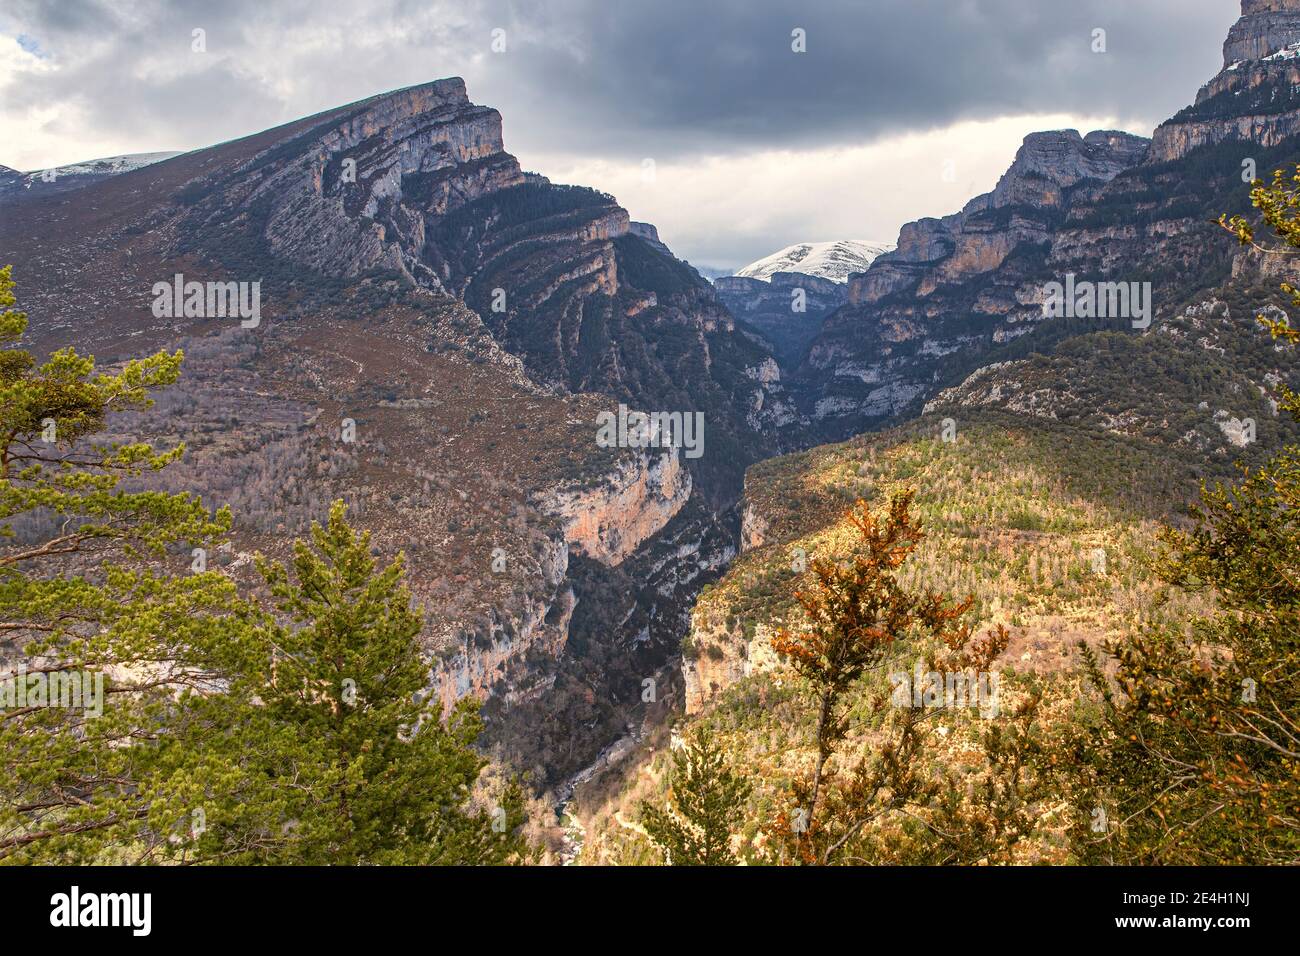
[[1015, 510]]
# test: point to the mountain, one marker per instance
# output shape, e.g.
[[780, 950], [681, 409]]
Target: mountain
[[783, 298], [957, 287], [829, 260], [437, 335], [15, 185]]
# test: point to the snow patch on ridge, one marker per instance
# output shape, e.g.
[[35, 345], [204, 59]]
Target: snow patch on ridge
[[831, 260]]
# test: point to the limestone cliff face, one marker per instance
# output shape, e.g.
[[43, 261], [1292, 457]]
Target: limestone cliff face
[[718, 656], [722, 648], [1254, 98], [1265, 27], [610, 521], [491, 657], [356, 191], [1023, 207], [952, 283], [753, 528], [649, 233]]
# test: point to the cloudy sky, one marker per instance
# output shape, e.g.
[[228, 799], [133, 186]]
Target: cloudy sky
[[896, 109]]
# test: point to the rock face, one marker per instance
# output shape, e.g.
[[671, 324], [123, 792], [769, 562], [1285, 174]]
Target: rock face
[[953, 282], [647, 232], [486, 656], [1265, 27], [968, 289], [1254, 98], [1026, 204], [609, 522], [359, 190]]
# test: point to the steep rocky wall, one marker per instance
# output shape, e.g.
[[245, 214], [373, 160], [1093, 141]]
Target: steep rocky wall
[[610, 521], [490, 657], [719, 657], [1105, 207], [1265, 26]]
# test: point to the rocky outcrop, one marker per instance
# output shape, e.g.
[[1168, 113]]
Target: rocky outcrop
[[1255, 97], [646, 231], [489, 658], [716, 657], [356, 190], [610, 521], [1265, 27], [753, 528], [1027, 202]]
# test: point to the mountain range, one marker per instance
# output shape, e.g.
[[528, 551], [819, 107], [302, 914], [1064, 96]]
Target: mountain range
[[470, 320], [440, 330]]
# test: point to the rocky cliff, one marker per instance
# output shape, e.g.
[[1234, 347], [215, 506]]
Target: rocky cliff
[[1265, 27], [1027, 204], [953, 284], [635, 502], [1254, 97]]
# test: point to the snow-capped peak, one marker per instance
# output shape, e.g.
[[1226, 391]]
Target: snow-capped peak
[[108, 166], [830, 260]]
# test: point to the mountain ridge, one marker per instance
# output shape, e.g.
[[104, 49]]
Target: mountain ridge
[[471, 321]]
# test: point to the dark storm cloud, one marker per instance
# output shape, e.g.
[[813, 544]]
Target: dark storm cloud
[[722, 75], [628, 78]]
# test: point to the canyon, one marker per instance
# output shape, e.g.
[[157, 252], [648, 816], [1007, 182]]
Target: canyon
[[473, 320]]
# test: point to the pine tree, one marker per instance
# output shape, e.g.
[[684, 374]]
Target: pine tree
[[98, 599], [386, 779], [226, 731], [705, 801]]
